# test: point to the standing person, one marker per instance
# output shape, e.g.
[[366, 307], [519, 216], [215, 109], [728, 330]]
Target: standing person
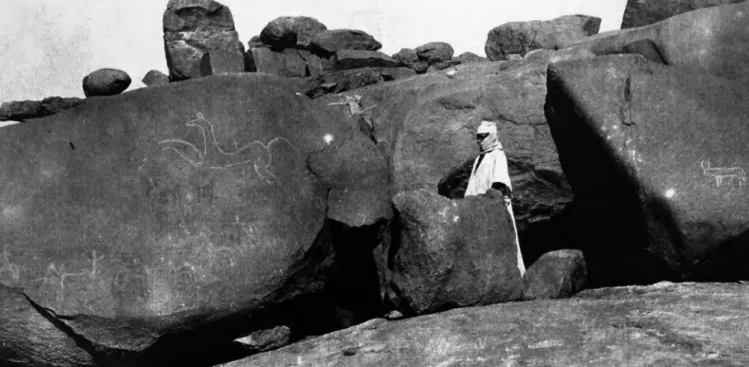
[[490, 172]]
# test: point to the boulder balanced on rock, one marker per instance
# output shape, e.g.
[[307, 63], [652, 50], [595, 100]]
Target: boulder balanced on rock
[[105, 82]]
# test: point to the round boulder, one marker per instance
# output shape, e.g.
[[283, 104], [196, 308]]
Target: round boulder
[[295, 32], [105, 82], [434, 52], [556, 274]]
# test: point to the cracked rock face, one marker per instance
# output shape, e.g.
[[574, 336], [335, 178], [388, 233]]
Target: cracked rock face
[[664, 324], [132, 217], [671, 175], [193, 28], [522, 37]]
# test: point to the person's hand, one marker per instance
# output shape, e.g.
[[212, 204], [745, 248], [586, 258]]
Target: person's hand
[[507, 200]]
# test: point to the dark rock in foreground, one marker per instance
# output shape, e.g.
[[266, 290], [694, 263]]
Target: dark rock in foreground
[[664, 324], [453, 253], [556, 274], [25, 110], [657, 158], [639, 13]]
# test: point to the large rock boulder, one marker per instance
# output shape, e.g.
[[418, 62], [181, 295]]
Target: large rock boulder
[[25, 110], [435, 52], [409, 58], [353, 59], [522, 37], [192, 28], [141, 226], [715, 40], [329, 42], [639, 13], [105, 82], [556, 274], [453, 253], [661, 182], [690, 324], [291, 32]]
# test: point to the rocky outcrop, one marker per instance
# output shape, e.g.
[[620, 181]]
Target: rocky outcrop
[[675, 324], [346, 80], [640, 13], [330, 42], [105, 82], [434, 52], [291, 32], [192, 28], [155, 77], [713, 40], [556, 274], [409, 58], [25, 110], [453, 253], [670, 175], [180, 217], [352, 59], [426, 127], [522, 37], [470, 57]]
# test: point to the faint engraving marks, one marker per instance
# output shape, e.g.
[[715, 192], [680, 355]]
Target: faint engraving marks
[[9, 270], [733, 174], [209, 154]]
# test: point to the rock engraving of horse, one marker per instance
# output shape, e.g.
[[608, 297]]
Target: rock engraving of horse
[[721, 173], [211, 155]]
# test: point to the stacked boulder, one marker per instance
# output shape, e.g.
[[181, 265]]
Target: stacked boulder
[[433, 56], [336, 60], [197, 32], [513, 40]]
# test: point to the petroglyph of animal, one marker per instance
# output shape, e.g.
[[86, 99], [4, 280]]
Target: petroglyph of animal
[[209, 154], [720, 173]]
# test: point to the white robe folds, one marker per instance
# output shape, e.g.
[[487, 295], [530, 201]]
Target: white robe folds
[[493, 168]]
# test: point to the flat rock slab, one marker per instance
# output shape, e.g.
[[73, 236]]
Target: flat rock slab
[[665, 324], [24, 110], [658, 156]]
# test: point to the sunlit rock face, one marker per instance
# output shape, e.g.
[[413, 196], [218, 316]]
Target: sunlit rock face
[[657, 160]]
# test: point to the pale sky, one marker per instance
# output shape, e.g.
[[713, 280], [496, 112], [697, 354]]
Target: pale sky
[[48, 46]]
